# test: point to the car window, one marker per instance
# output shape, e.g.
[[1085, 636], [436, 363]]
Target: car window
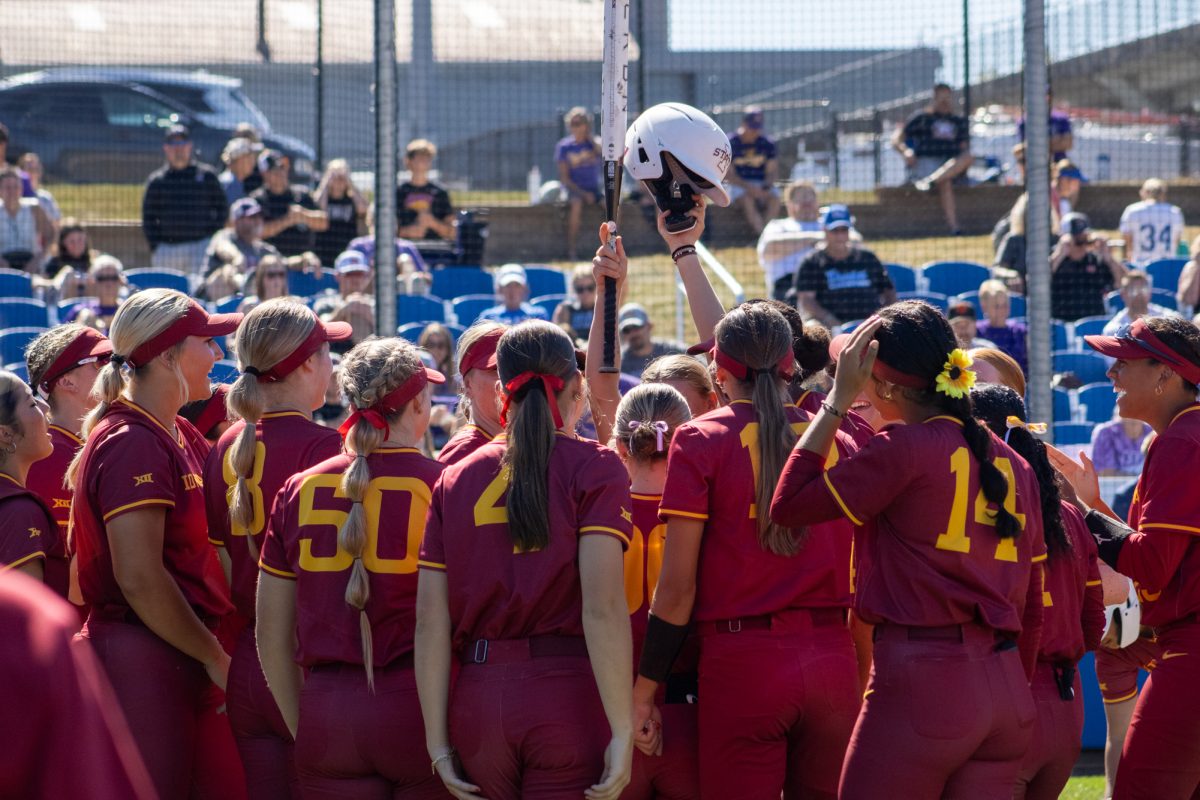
[[63, 107], [129, 109], [190, 97]]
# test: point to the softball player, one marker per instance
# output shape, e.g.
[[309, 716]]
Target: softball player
[[949, 572], [1155, 375], [477, 401], [29, 539], [1073, 605], [336, 597], [283, 352], [522, 578], [63, 363], [145, 564], [778, 690]]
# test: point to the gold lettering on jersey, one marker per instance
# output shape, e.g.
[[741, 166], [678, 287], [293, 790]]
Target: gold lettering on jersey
[[192, 481], [258, 520], [749, 440], [488, 508], [62, 502], [138, 480], [640, 581], [626, 515], [35, 533]]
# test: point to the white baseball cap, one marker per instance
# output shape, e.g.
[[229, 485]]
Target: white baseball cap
[[511, 273]]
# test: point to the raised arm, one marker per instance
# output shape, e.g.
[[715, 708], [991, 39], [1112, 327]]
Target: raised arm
[[604, 392], [703, 302]]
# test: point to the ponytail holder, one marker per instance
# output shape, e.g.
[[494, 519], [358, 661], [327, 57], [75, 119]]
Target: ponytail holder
[[119, 360], [369, 414], [956, 377], [1016, 422], [550, 384], [251, 371], [660, 430]]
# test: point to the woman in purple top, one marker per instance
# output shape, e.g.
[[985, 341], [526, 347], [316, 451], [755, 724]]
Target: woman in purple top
[[1008, 335], [1117, 446], [579, 162]]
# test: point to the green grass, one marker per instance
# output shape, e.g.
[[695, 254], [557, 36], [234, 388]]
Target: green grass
[[1090, 787]]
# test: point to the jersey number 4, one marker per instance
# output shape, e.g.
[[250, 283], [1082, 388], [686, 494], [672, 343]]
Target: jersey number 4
[[955, 538]]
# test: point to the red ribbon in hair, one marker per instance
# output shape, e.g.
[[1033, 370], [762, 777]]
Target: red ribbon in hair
[[550, 384], [372, 416]]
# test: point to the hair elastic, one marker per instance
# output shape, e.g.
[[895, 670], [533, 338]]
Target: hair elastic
[[1014, 422], [550, 384], [660, 429]]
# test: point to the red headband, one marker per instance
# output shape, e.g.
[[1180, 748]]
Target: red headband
[[392, 402], [482, 353], [319, 335], [880, 370], [88, 344], [786, 367], [550, 384], [194, 322]]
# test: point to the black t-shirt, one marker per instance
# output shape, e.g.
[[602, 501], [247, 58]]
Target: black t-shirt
[[294, 240], [343, 227], [849, 289], [936, 135], [1077, 288], [411, 200]]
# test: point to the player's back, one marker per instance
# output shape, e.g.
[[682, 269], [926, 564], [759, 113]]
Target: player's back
[[1155, 229]]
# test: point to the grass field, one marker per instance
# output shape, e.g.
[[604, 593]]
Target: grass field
[[1090, 787]]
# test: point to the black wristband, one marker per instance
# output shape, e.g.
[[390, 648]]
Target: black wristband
[[683, 250], [1110, 535], [661, 647], [828, 406]]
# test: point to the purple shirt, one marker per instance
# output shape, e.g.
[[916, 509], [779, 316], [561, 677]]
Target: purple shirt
[[366, 246], [1011, 339], [1060, 124], [583, 160], [750, 159], [1112, 449]]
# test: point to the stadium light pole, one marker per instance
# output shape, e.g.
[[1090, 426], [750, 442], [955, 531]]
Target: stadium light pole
[[385, 167], [1037, 211]]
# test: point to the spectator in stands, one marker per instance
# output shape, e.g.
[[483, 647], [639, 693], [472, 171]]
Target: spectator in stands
[[366, 246], [996, 366], [24, 227], [31, 165], [345, 206], [71, 249], [964, 323], [575, 313], [638, 346], [1067, 180], [1004, 224], [1082, 271], [1005, 334], [359, 311], [106, 284], [754, 169], [243, 238], [69, 284], [239, 157], [439, 343], [183, 206], [579, 166], [512, 289], [1117, 446], [1188, 293], [353, 274], [785, 242], [26, 185], [840, 281], [424, 213], [223, 282], [936, 146], [269, 281], [291, 219], [1136, 294], [1152, 227], [1061, 137]]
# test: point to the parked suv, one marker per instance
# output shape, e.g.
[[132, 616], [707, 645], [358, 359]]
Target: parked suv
[[107, 125]]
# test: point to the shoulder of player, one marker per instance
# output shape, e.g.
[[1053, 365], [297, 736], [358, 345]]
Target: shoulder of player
[[1181, 439], [22, 508]]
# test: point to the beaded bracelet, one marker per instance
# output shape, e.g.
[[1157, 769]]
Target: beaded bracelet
[[683, 250]]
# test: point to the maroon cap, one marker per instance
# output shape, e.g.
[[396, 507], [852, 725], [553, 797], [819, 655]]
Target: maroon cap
[[194, 322], [321, 333], [481, 354], [705, 348], [1137, 341], [88, 345]]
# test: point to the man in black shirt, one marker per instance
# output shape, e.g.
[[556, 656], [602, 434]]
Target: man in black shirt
[[423, 210], [1082, 271], [838, 281], [935, 144], [291, 219], [183, 206]]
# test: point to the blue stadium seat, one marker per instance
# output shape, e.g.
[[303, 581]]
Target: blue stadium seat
[[455, 330], [973, 299], [1165, 273], [19, 369], [1087, 326], [419, 308], [940, 301], [545, 280], [1067, 433], [14, 283], [14, 340], [1113, 302], [159, 279], [1060, 335], [1016, 304], [307, 284], [548, 303], [19, 312], [224, 371], [903, 276], [847, 327], [954, 277], [1062, 405], [411, 331], [457, 281], [1088, 367], [1098, 401], [1164, 298], [467, 308], [229, 304], [65, 307]]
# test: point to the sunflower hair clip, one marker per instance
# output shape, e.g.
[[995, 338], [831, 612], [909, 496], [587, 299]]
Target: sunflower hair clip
[[956, 377]]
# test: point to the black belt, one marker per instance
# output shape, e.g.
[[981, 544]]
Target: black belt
[[764, 622], [511, 651]]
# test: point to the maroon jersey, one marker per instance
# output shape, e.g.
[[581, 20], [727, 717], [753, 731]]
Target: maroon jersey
[[932, 557], [1163, 556], [301, 545], [131, 462], [29, 532], [45, 477], [495, 592], [287, 442], [711, 476], [1072, 598], [852, 424], [643, 563], [465, 441]]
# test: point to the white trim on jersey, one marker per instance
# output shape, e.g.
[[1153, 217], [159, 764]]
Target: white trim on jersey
[[1155, 229]]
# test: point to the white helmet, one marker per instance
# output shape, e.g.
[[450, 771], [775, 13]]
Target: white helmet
[[691, 140], [1123, 621]]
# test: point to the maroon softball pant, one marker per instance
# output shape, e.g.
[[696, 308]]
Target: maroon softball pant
[[261, 734], [674, 775], [948, 714], [1055, 746]]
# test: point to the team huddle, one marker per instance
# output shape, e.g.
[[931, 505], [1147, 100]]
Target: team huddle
[[740, 589]]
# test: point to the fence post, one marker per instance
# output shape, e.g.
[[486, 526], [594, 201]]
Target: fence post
[[1037, 214], [385, 167], [877, 147], [836, 175]]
